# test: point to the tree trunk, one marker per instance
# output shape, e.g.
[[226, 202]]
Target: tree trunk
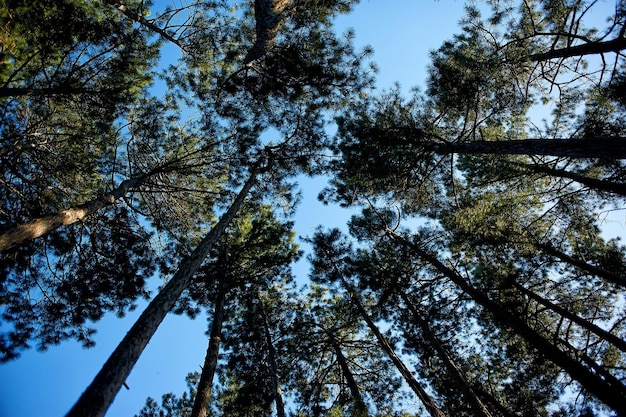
[[205, 385], [608, 390], [278, 394], [100, 394], [417, 388], [601, 147], [609, 337], [46, 224], [593, 183], [477, 405], [589, 48], [360, 409], [268, 15], [599, 272]]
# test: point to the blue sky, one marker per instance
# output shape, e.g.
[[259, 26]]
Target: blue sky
[[402, 32]]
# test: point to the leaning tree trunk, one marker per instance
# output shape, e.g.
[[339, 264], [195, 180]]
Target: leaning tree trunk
[[414, 384], [477, 405], [205, 385], [46, 224], [605, 387], [585, 324], [100, 394], [593, 183], [360, 409]]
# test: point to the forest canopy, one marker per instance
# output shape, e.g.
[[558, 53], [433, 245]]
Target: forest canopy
[[475, 278]]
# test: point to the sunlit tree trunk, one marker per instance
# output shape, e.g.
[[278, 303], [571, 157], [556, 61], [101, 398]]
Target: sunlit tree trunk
[[100, 394]]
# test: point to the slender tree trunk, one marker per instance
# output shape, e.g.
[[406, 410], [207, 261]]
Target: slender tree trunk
[[599, 272], [609, 337], [121, 6], [608, 390], [417, 388], [100, 394], [360, 409], [593, 183], [278, 394], [205, 385], [589, 48], [601, 147], [477, 405], [46, 224]]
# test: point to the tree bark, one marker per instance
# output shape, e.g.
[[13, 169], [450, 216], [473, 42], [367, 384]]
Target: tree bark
[[589, 48], [267, 14], [417, 388], [360, 409], [278, 394], [601, 147], [608, 390], [46, 224], [205, 385], [477, 405], [97, 398], [593, 183]]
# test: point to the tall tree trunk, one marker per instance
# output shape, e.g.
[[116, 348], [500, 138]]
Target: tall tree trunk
[[592, 269], [593, 183], [205, 385], [267, 14], [589, 48], [100, 394], [609, 337], [417, 388], [360, 409], [46, 224], [609, 390], [600, 147], [278, 394], [477, 405]]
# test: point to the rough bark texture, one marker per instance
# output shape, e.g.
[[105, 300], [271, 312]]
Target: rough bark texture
[[267, 14], [205, 385], [44, 225], [604, 386], [455, 372], [95, 401], [417, 388]]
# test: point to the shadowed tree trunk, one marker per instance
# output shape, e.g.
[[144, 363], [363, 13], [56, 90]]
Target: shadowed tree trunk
[[97, 398], [205, 385], [477, 405], [278, 395], [417, 388], [360, 409], [268, 15], [609, 337]]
